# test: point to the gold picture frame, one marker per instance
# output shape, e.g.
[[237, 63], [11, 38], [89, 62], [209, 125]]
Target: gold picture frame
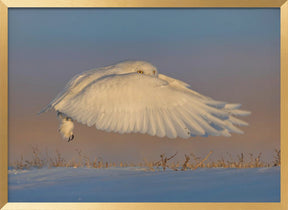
[[4, 10]]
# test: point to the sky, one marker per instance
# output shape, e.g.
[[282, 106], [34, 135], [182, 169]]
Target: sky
[[230, 55]]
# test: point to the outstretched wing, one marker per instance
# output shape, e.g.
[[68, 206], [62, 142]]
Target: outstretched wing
[[78, 82], [157, 106]]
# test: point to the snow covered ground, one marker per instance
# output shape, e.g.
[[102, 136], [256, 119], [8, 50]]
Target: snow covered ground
[[137, 185]]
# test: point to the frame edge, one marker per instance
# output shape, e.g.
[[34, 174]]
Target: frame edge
[[3, 104], [5, 4], [142, 206], [144, 3], [284, 103]]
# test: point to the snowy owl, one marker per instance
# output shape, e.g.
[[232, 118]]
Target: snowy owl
[[132, 96]]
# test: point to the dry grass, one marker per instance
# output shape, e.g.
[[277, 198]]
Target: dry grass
[[190, 161]]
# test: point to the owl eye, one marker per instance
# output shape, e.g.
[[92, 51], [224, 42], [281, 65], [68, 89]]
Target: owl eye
[[140, 72]]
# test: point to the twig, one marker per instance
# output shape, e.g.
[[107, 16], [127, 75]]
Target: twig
[[200, 163], [187, 158]]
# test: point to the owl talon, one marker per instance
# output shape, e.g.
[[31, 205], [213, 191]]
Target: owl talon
[[71, 138]]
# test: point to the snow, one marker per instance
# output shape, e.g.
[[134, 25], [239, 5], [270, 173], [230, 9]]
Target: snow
[[138, 185]]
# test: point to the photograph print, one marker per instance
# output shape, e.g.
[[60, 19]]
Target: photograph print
[[144, 105]]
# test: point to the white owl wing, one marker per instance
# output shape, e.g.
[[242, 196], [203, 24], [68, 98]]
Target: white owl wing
[[157, 106], [78, 82]]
